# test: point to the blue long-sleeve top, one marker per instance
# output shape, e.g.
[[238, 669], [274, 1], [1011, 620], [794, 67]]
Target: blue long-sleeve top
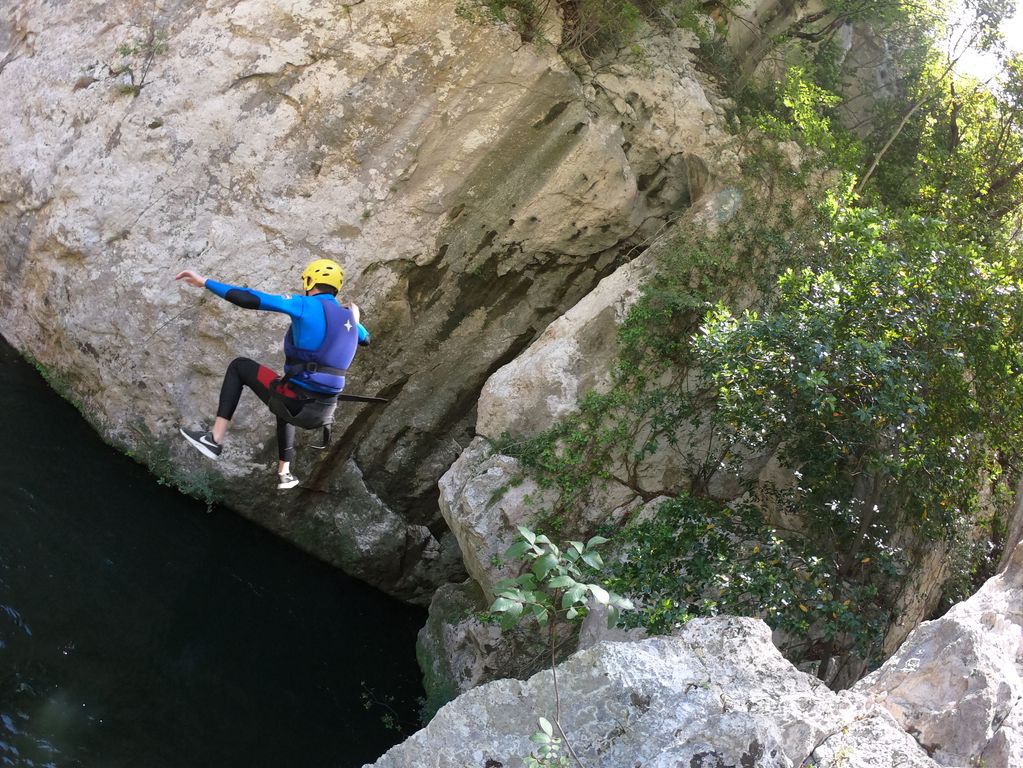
[[308, 320]]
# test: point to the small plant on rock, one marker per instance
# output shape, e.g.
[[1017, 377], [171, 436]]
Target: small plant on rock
[[548, 748], [552, 591], [139, 54]]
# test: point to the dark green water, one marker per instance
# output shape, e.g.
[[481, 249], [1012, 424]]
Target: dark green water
[[138, 630]]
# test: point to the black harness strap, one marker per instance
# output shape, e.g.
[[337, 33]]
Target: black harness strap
[[293, 369], [313, 367]]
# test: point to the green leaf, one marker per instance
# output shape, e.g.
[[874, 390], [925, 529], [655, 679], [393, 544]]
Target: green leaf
[[593, 560], [573, 595], [526, 581], [503, 604], [544, 565], [599, 593], [596, 541], [517, 550], [527, 534], [546, 726], [622, 603], [511, 617], [561, 582]]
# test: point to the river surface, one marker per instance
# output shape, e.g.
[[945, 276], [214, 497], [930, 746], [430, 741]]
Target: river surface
[[136, 629]]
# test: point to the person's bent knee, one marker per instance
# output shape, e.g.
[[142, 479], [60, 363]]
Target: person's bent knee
[[240, 362]]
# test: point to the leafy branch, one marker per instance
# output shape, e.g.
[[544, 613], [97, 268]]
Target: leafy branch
[[553, 589]]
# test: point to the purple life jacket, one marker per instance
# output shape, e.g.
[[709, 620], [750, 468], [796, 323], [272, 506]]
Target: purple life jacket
[[323, 369]]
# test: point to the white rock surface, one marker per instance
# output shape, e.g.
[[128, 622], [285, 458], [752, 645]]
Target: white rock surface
[[719, 694], [457, 651], [483, 497], [957, 682], [574, 354]]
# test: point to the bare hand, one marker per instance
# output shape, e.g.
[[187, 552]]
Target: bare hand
[[192, 278]]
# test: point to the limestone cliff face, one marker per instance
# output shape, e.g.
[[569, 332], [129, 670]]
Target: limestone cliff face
[[718, 693], [473, 187], [956, 684]]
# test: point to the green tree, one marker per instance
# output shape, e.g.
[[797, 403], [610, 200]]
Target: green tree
[[887, 377], [699, 557], [969, 167]]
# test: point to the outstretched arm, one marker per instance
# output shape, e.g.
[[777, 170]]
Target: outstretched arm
[[246, 298]]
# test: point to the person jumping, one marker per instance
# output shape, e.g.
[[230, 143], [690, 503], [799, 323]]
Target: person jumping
[[318, 349]]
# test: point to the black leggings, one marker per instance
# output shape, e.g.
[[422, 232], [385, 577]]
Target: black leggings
[[248, 373]]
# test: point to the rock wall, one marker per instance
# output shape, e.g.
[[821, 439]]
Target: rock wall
[[719, 694], [473, 187], [956, 684]]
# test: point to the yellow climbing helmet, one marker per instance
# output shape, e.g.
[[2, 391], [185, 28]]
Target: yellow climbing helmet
[[323, 271]]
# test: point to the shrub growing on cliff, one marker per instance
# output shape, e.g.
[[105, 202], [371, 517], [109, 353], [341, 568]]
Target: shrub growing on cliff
[[888, 374], [138, 56], [552, 591], [699, 557]]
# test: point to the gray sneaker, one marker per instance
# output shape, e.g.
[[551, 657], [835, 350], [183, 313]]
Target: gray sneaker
[[203, 442], [286, 481]]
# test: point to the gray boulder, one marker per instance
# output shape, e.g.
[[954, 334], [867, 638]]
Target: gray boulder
[[717, 695], [956, 684]]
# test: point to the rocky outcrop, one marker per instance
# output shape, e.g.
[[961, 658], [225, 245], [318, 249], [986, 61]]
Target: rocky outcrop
[[457, 651], [870, 76], [484, 496], [474, 188], [957, 683], [718, 694]]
